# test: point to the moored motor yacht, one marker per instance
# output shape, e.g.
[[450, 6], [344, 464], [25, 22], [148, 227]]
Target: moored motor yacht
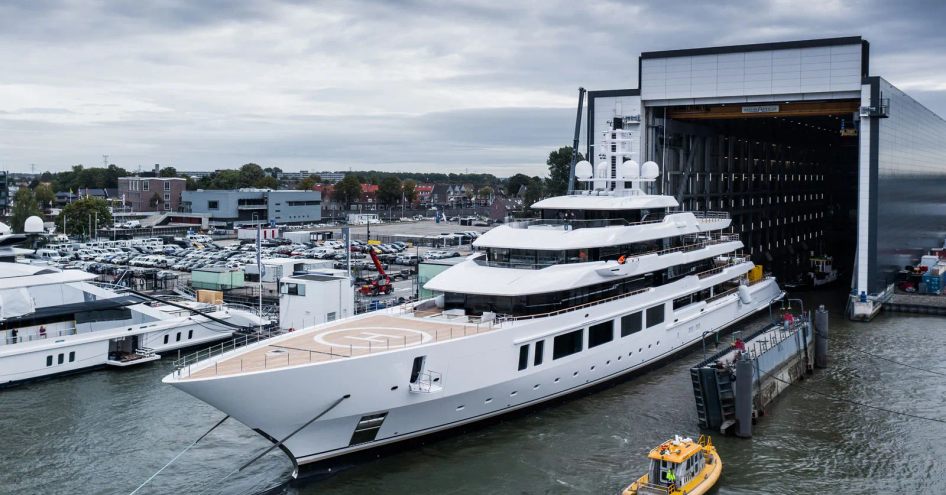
[[61, 321], [604, 282]]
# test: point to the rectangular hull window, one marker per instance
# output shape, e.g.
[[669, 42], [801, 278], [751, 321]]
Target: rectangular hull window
[[523, 357], [602, 333], [367, 428], [655, 315], [567, 344], [539, 352], [631, 323]]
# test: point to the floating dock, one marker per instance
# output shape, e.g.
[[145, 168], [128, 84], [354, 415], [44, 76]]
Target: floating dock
[[926, 304], [733, 386]]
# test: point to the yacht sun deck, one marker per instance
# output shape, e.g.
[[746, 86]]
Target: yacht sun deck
[[343, 339]]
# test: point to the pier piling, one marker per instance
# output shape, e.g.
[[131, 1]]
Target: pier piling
[[821, 337], [744, 395]]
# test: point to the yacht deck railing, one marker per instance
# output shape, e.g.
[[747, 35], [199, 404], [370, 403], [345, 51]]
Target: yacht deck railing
[[703, 240]]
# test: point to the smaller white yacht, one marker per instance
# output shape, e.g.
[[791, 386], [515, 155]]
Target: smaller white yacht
[[59, 321]]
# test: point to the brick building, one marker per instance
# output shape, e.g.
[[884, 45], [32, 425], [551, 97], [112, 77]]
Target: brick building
[[151, 193]]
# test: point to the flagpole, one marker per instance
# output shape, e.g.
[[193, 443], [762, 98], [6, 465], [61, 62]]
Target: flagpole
[[259, 268]]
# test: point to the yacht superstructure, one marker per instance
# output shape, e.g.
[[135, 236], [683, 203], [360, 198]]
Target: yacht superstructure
[[605, 282], [54, 322]]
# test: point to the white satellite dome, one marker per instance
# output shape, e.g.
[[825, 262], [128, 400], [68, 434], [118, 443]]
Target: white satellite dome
[[630, 170], [603, 169], [583, 170], [650, 170], [33, 225], [4, 228]]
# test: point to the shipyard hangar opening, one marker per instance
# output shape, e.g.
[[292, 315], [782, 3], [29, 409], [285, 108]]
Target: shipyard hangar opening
[[785, 170]]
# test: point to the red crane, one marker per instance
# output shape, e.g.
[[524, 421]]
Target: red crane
[[381, 284]]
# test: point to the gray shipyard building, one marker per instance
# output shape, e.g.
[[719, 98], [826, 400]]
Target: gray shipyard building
[[807, 150]]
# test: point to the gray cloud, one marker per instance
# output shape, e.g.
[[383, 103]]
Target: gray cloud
[[405, 85]]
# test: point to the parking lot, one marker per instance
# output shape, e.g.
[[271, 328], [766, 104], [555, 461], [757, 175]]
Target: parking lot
[[166, 263]]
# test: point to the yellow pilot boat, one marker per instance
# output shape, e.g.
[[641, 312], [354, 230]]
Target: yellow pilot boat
[[680, 467]]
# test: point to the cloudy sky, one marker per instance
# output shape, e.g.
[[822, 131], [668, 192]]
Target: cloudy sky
[[391, 85]]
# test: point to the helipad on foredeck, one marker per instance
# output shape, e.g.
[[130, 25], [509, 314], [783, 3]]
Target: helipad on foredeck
[[349, 338]]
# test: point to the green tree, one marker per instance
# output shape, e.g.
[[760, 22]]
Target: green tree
[[267, 182], [559, 163], [308, 183], [225, 179], [24, 206], [250, 175], [190, 184], [44, 195], [75, 217], [535, 190], [389, 191], [515, 183], [348, 190], [168, 172], [485, 192], [409, 189]]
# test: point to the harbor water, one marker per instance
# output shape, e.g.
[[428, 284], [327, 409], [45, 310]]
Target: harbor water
[[107, 431]]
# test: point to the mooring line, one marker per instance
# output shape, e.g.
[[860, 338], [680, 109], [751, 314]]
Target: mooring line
[[858, 403], [277, 444], [179, 455]]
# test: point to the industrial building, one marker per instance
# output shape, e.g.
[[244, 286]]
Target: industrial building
[[226, 208], [808, 151]]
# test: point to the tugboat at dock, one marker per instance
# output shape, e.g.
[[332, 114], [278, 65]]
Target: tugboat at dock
[[822, 273], [680, 466]]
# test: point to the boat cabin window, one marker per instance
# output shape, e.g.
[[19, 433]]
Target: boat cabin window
[[567, 344], [618, 216], [539, 351], [602, 333], [523, 357], [631, 323], [532, 304], [655, 315]]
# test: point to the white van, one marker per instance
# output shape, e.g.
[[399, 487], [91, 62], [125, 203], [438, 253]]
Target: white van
[[48, 255]]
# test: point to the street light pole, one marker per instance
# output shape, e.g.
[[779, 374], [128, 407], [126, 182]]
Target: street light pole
[[259, 268]]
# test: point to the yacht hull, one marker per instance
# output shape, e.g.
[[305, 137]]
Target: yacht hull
[[60, 355], [480, 380]]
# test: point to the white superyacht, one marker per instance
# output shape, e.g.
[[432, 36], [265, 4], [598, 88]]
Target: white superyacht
[[60, 321], [609, 280]]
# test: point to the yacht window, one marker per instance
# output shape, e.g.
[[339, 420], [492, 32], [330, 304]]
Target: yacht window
[[166, 339], [72, 356], [682, 301], [61, 358], [523, 357], [190, 334], [178, 337], [49, 360], [539, 351], [601, 333], [631, 323], [655, 315], [567, 344], [417, 367]]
